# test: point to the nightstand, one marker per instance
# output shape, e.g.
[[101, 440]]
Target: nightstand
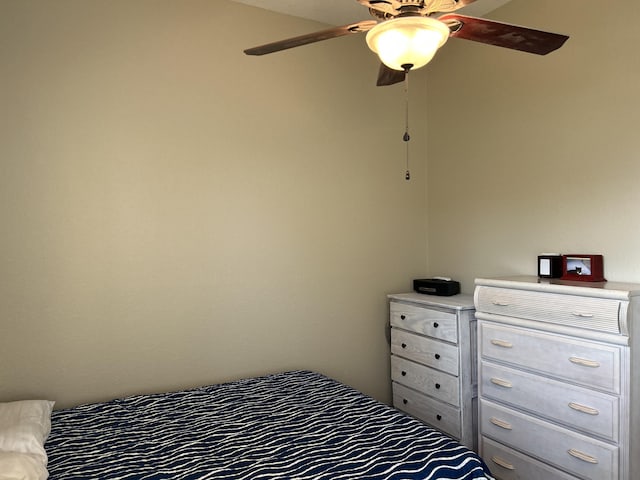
[[433, 361]]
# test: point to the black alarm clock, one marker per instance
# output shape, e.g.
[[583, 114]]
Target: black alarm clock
[[442, 286]]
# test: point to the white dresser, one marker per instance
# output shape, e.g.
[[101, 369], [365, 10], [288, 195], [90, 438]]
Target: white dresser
[[433, 361], [558, 379]]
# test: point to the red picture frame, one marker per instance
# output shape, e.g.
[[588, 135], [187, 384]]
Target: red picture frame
[[583, 267]]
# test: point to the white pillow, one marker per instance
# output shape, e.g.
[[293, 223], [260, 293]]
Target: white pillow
[[24, 426], [22, 466]]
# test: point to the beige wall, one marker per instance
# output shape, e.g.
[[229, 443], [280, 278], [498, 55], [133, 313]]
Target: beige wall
[[535, 154], [175, 213]]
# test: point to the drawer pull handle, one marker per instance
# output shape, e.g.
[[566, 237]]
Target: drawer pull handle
[[499, 303], [500, 382], [503, 463], [404, 345], [501, 343], [501, 423], [405, 401], [403, 373], [403, 317], [582, 314], [439, 417], [437, 356], [584, 408], [436, 324], [582, 456], [437, 386], [584, 362]]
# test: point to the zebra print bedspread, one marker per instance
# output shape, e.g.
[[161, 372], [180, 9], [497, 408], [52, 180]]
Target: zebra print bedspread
[[294, 425]]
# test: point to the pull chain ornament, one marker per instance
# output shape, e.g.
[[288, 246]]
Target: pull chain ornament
[[406, 137]]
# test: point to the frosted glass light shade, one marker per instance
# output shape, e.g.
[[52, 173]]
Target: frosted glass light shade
[[407, 41]]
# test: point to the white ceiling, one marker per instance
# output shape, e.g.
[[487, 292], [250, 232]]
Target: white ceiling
[[343, 12]]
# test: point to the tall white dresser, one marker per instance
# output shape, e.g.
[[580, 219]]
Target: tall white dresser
[[433, 361], [559, 379]]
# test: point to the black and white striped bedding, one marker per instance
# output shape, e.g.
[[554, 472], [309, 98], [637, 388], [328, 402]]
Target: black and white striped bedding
[[294, 425]]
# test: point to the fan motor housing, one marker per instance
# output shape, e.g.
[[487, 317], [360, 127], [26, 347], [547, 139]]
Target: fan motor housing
[[386, 9]]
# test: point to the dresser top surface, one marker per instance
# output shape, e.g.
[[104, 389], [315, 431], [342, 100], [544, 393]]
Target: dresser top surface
[[460, 301], [596, 289]]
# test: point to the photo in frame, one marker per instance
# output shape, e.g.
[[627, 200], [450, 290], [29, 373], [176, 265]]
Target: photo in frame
[[583, 267]]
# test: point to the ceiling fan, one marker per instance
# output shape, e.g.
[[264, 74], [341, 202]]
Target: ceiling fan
[[407, 33]]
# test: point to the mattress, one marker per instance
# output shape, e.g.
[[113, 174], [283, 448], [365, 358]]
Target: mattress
[[293, 425]]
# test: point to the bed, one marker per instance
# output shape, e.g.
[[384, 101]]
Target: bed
[[292, 425]]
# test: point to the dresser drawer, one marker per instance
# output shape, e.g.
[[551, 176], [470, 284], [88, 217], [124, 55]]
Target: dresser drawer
[[578, 454], [507, 464], [438, 414], [589, 411], [427, 351], [586, 363], [426, 321], [432, 382], [600, 314]]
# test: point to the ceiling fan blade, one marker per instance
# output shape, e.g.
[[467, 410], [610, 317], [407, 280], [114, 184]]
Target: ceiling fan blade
[[334, 32], [389, 76], [503, 34]]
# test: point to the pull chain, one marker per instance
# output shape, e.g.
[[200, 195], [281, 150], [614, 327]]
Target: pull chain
[[406, 137]]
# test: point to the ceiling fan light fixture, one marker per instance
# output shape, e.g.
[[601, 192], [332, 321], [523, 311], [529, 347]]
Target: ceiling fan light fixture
[[406, 41]]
